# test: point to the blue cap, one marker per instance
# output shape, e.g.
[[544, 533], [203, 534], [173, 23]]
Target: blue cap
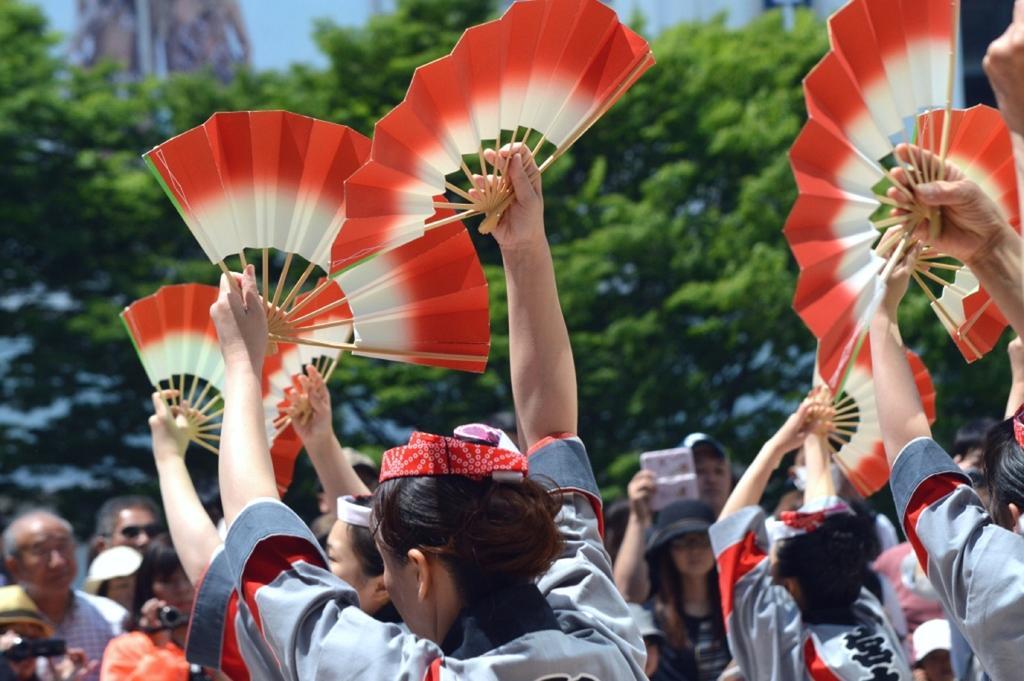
[[694, 439]]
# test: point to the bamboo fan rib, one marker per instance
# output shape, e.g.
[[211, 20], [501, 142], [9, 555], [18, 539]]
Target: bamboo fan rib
[[541, 75], [855, 436]]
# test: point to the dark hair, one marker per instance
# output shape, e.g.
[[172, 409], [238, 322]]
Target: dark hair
[[363, 545], [489, 534], [829, 563], [668, 602], [106, 517], [159, 561], [1004, 468], [867, 516], [972, 435], [616, 517]]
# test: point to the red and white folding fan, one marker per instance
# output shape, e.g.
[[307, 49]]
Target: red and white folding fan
[[855, 437], [177, 344], [540, 75], [888, 64], [982, 148], [273, 180]]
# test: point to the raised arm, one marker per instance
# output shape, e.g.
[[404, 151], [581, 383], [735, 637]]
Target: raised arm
[[1004, 64], [317, 432], [631, 571], [543, 373], [245, 470], [193, 533], [1016, 397], [790, 436], [900, 413], [820, 484], [973, 230]]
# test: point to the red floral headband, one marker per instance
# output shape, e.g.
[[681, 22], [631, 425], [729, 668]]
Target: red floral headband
[[432, 455]]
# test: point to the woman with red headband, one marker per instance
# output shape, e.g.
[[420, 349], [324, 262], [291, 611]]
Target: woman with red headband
[[493, 559]]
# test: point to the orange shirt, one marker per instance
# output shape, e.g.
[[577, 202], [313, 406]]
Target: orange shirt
[[134, 657]]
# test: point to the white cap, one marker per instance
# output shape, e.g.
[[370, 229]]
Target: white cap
[[931, 636], [117, 561]]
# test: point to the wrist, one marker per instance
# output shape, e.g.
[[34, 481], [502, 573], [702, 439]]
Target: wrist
[[987, 257], [536, 249], [319, 443]]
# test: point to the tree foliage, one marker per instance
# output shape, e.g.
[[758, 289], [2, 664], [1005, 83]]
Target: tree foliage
[[666, 223]]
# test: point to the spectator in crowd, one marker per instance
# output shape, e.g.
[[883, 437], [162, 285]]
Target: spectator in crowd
[[126, 521], [39, 551], [931, 652], [801, 612], [154, 649], [714, 475], [21, 628], [684, 593], [112, 575], [969, 443], [654, 638]]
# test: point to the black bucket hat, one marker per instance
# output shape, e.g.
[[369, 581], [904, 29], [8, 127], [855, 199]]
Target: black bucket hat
[[678, 518]]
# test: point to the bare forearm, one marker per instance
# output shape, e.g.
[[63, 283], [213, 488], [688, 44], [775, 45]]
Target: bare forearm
[[1018, 154], [900, 413], [750, 488], [999, 271], [193, 533], [246, 472], [332, 467], [631, 569], [543, 373], [819, 470]]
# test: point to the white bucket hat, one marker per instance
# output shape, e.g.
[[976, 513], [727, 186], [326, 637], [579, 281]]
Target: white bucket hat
[[118, 561]]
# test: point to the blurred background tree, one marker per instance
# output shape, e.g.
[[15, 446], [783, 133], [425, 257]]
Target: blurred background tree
[[666, 223]]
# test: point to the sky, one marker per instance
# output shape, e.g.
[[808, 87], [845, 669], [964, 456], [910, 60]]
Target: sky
[[281, 29]]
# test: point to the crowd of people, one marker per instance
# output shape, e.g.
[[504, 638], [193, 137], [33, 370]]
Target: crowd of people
[[488, 554]]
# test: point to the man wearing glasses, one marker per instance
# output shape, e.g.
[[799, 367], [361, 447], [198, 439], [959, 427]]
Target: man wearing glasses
[[39, 553], [126, 521]]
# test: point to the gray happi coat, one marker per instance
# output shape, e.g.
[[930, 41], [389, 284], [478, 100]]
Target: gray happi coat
[[977, 567], [269, 608], [772, 640]]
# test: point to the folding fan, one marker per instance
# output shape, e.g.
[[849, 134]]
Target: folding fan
[[272, 180], [177, 344], [892, 63], [855, 437], [541, 75]]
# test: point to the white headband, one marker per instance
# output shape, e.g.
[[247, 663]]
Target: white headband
[[352, 513]]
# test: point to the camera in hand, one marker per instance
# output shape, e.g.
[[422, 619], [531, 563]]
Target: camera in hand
[[36, 647], [171, 618]]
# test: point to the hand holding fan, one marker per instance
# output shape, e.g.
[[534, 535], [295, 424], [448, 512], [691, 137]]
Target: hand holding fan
[[273, 181], [850, 425], [541, 75], [177, 344]]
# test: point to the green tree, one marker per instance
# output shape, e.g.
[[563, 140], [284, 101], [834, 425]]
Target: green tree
[[666, 222]]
